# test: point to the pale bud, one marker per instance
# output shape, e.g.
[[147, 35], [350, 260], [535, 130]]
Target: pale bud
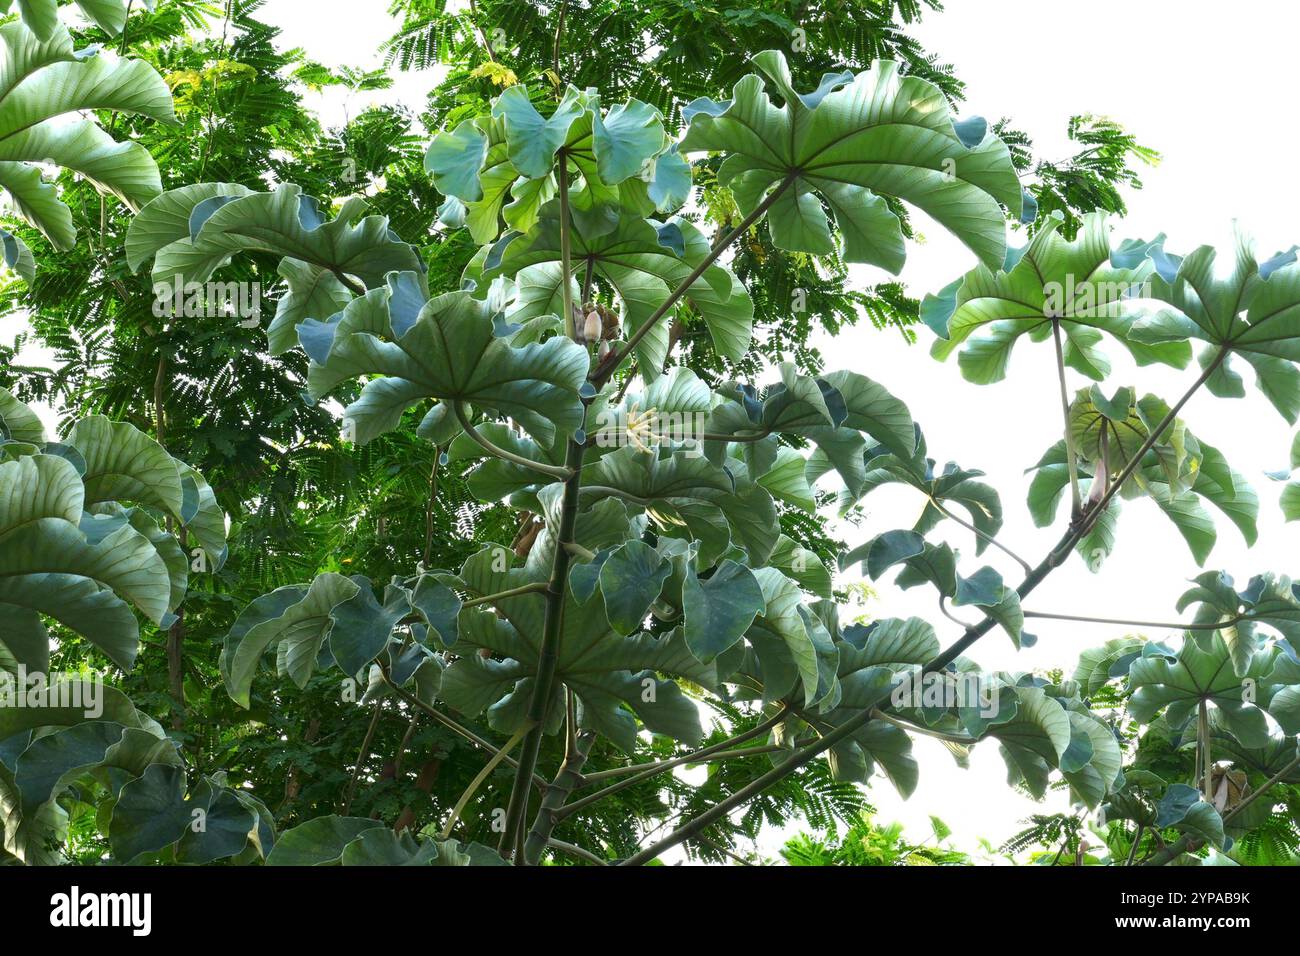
[[591, 328]]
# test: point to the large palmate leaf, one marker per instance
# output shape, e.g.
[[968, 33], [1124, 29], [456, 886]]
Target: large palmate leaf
[[443, 349], [42, 81], [1083, 286], [360, 841], [19, 423], [848, 145], [1204, 672], [1253, 310], [623, 156], [642, 261], [1180, 473], [834, 411], [193, 231], [82, 525], [75, 736], [1267, 601], [339, 619], [49, 566], [52, 742], [687, 496], [613, 676], [943, 490]]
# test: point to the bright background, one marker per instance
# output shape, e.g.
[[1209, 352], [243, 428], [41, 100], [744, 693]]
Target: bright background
[[1205, 89]]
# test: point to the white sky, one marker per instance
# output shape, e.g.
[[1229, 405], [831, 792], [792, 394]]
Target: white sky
[[1201, 87]]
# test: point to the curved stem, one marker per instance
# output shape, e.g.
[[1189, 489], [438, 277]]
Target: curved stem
[[566, 242], [747, 437], [366, 744], [352, 285], [452, 725], [804, 756], [982, 535], [1203, 746], [606, 369], [923, 731], [574, 850], [707, 755], [554, 471], [536, 587], [483, 774], [1076, 498], [1136, 461], [1173, 626], [1137, 840]]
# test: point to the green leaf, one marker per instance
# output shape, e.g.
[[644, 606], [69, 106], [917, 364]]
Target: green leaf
[[18, 422], [1254, 309], [299, 620], [319, 842], [449, 352], [1080, 285], [1199, 674], [625, 138], [856, 139], [151, 813], [42, 82], [642, 261], [630, 581], [720, 609], [534, 140]]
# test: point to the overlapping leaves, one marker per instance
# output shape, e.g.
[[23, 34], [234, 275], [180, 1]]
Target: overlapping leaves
[[42, 81], [849, 144], [82, 529]]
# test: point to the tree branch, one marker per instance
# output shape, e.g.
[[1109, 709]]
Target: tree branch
[[606, 369], [482, 776]]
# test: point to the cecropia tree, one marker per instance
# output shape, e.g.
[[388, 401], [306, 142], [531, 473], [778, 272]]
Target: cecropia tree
[[660, 577]]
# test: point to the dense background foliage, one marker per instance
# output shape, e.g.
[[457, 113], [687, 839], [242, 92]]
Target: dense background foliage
[[302, 502]]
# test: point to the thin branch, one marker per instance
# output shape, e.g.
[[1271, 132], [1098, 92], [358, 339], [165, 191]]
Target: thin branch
[[723, 750], [427, 555], [566, 246], [1170, 625], [366, 744], [574, 850], [982, 535], [1136, 461], [483, 774], [452, 725], [487, 44], [1137, 840], [746, 437], [536, 587], [1076, 499], [405, 745], [1185, 842], [604, 371], [1203, 749], [924, 731]]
